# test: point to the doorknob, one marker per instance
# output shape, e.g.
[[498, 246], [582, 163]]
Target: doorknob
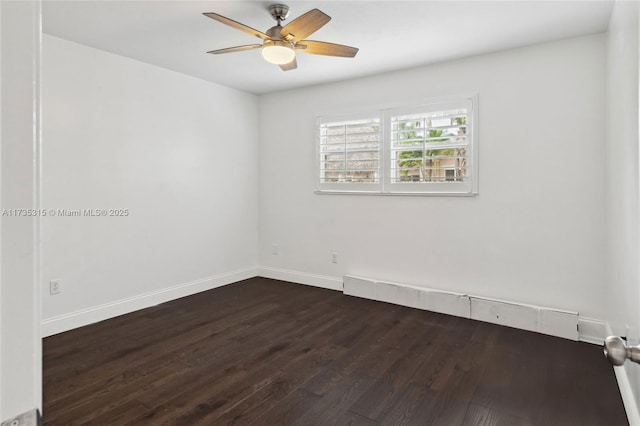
[[617, 351]]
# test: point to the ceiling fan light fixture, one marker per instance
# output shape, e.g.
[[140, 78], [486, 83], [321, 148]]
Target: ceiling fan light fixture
[[278, 52]]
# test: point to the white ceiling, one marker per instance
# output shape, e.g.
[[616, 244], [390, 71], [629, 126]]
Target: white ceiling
[[391, 35]]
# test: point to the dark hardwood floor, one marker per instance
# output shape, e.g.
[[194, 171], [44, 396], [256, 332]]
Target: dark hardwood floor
[[266, 352]]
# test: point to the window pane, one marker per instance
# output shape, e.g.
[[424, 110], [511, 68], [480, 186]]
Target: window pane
[[429, 147], [350, 151]]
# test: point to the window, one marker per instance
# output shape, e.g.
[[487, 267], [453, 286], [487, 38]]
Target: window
[[427, 149]]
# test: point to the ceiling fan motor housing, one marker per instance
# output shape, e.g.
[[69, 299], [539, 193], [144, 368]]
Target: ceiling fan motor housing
[[274, 32]]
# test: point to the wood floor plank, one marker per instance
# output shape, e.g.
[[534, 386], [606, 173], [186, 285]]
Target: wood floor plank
[[267, 352], [332, 407], [390, 386], [284, 383], [289, 410], [482, 416]]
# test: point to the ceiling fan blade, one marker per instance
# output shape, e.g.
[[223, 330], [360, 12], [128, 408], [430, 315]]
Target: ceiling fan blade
[[237, 25], [235, 49], [290, 66], [305, 25], [327, 49]]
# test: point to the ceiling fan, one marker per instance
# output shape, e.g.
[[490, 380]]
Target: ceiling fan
[[280, 44]]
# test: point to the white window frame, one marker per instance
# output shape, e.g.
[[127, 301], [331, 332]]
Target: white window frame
[[385, 186]]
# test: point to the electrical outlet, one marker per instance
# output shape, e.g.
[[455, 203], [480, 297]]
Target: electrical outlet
[[334, 257], [275, 250], [54, 287]]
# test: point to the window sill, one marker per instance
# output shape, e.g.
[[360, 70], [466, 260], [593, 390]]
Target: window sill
[[412, 194]]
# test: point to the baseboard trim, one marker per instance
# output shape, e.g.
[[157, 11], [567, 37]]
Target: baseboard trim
[[80, 318], [66, 322], [592, 330], [628, 399], [322, 281], [626, 392]]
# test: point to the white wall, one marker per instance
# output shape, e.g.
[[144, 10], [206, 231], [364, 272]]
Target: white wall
[[622, 283], [179, 153], [534, 234], [20, 346]]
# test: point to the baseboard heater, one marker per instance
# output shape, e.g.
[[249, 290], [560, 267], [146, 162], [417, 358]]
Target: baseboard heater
[[549, 321]]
